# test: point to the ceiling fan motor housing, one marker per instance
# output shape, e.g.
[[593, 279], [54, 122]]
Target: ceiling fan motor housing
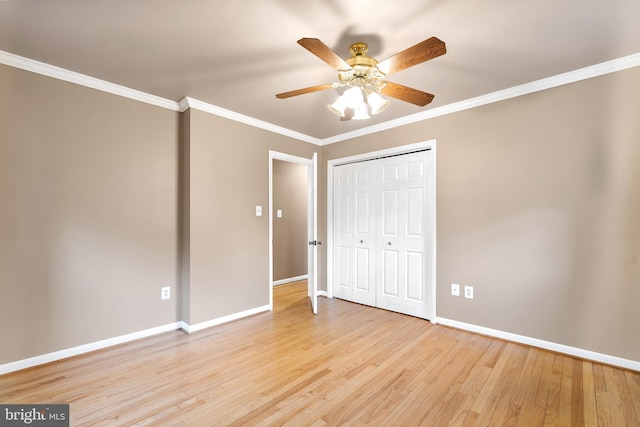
[[363, 68], [359, 56]]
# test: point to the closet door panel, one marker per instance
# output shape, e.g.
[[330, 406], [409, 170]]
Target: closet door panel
[[390, 213], [343, 268], [364, 234], [402, 230], [344, 214], [381, 233], [415, 274], [413, 235], [343, 249], [390, 285], [362, 278], [415, 212]]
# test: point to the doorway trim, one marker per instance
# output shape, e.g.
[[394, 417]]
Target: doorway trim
[[402, 149], [276, 155]]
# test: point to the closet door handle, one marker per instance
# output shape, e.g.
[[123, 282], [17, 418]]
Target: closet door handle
[[389, 243], [361, 241]]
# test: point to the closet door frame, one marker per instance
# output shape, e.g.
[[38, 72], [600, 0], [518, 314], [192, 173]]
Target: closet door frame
[[403, 149]]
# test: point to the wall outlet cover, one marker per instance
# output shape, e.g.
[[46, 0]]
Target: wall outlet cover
[[468, 292]]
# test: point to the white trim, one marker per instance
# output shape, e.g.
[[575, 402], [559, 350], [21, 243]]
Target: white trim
[[290, 280], [603, 68], [401, 149], [86, 348], [224, 319], [322, 293], [547, 345], [365, 156], [276, 155], [434, 225], [48, 70], [596, 70], [232, 115], [184, 104], [329, 237]]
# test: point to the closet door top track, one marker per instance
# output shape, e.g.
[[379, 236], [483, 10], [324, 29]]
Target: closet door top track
[[383, 157]]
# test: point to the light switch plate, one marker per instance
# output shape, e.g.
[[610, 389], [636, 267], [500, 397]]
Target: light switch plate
[[455, 289], [258, 210], [279, 213]]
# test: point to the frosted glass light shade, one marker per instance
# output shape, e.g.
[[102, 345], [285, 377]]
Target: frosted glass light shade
[[377, 103]]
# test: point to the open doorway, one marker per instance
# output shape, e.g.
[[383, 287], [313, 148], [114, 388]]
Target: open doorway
[[289, 222], [303, 243]]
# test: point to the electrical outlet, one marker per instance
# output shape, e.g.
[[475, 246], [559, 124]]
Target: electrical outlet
[[468, 292], [455, 289], [165, 292]]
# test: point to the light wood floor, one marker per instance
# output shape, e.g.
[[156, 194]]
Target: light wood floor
[[349, 365]]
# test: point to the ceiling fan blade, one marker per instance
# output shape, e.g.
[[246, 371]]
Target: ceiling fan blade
[[423, 51], [303, 91], [407, 94], [325, 53]]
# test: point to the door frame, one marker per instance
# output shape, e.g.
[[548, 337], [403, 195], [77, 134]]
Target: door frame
[[312, 189], [372, 155]]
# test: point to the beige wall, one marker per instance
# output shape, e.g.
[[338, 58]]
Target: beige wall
[[537, 207], [229, 251], [88, 225], [538, 201], [290, 231]]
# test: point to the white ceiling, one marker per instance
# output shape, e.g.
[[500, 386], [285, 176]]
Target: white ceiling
[[238, 54]]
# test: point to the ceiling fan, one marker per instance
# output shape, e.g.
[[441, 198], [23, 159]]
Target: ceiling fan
[[361, 78]]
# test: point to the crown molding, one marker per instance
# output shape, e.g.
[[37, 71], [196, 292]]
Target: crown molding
[[48, 70], [188, 102], [603, 68]]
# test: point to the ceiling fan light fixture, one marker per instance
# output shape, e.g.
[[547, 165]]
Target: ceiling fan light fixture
[[362, 78], [339, 106], [353, 98], [364, 103], [377, 103], [361, 112]]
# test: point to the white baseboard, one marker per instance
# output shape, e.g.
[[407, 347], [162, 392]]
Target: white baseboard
[[220, 320], [547, 345], [322, 293], [290, 280], [85, 348]]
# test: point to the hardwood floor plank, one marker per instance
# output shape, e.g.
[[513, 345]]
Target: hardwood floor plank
[[619, 395], [588, 395], [350, 364], [531, 414], [633, 381], [505, 411]]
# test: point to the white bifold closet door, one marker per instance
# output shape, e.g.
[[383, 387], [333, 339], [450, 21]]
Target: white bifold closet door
[[383, 233]]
